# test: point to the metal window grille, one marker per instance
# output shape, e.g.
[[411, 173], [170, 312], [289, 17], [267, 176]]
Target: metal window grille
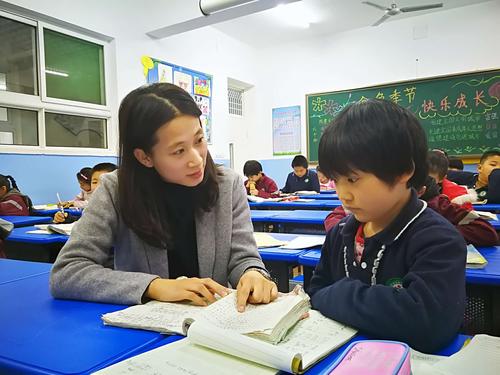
[[235, 101]]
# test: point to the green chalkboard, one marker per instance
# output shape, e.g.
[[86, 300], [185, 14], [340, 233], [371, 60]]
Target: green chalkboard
[[460, 113]]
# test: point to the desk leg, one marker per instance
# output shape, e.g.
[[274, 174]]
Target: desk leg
[[308, 271], [280, 273]]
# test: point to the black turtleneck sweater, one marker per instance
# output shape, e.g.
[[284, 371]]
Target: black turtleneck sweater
[[183, 248]]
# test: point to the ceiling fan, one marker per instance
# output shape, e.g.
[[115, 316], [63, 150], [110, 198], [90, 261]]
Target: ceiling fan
[[394, 10]]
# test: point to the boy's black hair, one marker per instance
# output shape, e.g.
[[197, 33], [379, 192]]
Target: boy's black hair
[[300, 161], [252, 168], [455, 163], [378, 137], [106, 167], [489, 153], [85, 175], [431, 189], [438, 163]]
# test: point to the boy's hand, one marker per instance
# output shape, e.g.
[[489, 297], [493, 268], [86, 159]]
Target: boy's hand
[[200, 292], [254, 192], [253, 287], [59, 217]]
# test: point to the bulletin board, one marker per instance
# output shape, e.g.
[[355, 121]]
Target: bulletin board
[[198, 84]]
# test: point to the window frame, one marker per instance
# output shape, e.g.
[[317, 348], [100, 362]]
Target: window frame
[[42, 103]]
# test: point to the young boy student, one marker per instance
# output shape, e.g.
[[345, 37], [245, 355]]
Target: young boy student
[[394, 269], [301, 178], [438, 169], [488, 178], [177, 227], [95, 176], [257, 183]]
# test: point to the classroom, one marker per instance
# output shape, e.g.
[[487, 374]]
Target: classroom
[[264, 79]]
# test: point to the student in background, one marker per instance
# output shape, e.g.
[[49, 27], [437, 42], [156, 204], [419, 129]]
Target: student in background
[[438, 169], [324, 182], [12, 201], [487, 184], [257, 183], [394, 269], [179, 225], [84, 178], [302, 178], [95, 176], [455, 164]]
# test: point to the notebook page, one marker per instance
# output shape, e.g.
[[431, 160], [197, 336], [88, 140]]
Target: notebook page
[[154, 315], [315, 337], [304, 242], [480, 356], [266, 240], [233, 343], [177, 359], [224, 314]]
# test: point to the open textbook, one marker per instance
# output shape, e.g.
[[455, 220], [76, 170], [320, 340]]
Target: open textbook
[[269, 322], [214, 350]]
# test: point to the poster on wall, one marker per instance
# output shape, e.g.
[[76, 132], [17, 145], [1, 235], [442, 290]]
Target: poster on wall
[[286, 130], [198, 84]]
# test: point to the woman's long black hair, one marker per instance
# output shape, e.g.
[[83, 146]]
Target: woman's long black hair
[[141, 190]]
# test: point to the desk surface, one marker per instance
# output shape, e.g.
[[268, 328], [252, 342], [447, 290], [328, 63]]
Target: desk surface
[[495, 224], [52, 211], [296, 216], [490, 275], [21, 235], [40, 334], [22, 221], [321, 196], [316, 204], [12, 270], [493, 207], [283, 255]]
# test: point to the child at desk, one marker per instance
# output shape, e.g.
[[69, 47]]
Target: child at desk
[[257, 183], [301, 178], [325, 183], [12, 201], [487, 184], [95, 177], [84, 177], [438, 169], [394, 269], [179, 225]]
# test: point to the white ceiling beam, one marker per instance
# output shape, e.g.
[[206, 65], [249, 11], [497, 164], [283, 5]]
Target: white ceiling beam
[[212, 19]]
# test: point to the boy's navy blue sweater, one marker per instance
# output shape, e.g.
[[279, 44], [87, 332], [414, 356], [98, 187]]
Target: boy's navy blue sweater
[[309, 181], [419, 291]]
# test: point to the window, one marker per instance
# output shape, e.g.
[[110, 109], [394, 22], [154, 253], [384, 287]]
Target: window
[[18, 69], [74, 68], [53, 93], [18, 127], [235, 101], [74, 131]]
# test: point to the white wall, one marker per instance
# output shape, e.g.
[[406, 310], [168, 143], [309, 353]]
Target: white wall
[[458, 40]]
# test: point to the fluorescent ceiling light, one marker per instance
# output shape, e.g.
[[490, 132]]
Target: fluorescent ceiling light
[[55, 73], [294, 14]]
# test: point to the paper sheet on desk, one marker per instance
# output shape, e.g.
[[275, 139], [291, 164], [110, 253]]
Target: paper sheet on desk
[[304, 242], [266, 240]]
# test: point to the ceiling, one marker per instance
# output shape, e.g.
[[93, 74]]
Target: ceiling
[[273, 26]]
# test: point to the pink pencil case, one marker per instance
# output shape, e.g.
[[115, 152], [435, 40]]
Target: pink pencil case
[[373, 357]]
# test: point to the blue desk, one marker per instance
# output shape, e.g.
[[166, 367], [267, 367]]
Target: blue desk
[[495, 224], [332, 191], [22, 221], [52, 211], [21, 235], [297, 221], [322, 196], [41, 335], [316, 204], [33, 247], [12, 270], [492, 207], [279, 261]]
